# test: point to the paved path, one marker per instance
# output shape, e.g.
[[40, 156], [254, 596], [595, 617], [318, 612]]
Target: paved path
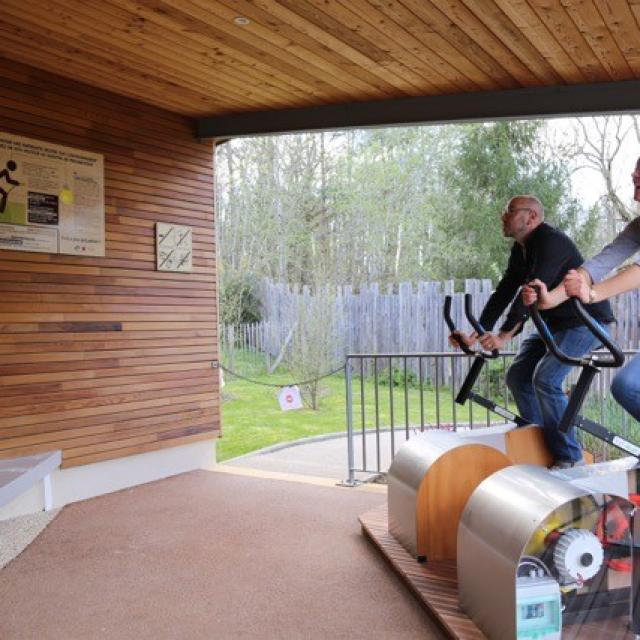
[[323, 456], [326, 456]]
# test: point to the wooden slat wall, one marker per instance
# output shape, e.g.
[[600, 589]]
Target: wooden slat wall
[[106, 357]]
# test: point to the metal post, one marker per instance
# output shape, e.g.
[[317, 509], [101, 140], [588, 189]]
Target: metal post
[[453, 393], [48, 493], [437, 393], [421, 378], [391, 416], [377, 408], [406, 400], [351, 480], [362, 416]]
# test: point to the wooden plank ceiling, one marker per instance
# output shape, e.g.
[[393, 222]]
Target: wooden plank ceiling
[[216, 57]]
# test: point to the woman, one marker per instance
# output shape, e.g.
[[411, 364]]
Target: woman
[[586, 283]]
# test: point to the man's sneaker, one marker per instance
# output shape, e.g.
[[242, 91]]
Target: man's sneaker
[[567, 464]]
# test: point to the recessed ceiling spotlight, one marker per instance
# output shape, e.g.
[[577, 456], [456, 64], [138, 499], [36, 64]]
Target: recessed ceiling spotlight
[[241, 20]]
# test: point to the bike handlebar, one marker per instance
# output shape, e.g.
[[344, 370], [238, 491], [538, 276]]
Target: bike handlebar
[[616, 356], [547, 337]]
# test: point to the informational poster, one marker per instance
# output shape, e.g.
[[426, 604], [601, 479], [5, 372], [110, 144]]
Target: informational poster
[[51, 198]]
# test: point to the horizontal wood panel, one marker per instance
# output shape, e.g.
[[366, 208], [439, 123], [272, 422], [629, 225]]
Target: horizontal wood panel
[[116, 300], [29, 444], [106, 372], [105, 356], [146, 416], [99, 410], [101, 393], [96, 386], [162, 441], [193, 57], [63, 358], [82, 282], [73, 265]]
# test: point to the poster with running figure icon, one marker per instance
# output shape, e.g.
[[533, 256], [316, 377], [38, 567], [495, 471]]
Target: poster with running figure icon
[[51, 198]]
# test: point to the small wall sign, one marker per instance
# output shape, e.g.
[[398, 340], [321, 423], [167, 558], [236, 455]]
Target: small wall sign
[[173, 247], [289, 398]]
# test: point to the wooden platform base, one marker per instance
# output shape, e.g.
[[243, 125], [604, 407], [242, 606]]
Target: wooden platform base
[[436, 585]]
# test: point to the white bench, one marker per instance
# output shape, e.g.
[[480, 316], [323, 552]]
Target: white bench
[[18, 475]]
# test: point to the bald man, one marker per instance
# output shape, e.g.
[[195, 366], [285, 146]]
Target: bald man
[[535, 378]]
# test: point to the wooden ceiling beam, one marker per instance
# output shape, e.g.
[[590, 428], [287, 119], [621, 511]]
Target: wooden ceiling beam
[[530, 102]]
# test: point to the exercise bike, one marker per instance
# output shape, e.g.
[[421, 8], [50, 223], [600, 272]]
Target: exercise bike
[[590, 365], [523, 442], [588, 549], [621, 554]]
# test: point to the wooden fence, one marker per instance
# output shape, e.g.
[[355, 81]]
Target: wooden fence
[[406, 318]]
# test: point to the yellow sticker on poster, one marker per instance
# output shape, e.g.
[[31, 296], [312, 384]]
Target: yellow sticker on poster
[[56, 192]]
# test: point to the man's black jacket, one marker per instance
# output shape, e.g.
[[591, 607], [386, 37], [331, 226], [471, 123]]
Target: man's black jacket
[[547, 254]]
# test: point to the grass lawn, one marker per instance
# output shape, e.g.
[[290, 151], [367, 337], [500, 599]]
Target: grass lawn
[[613, 416], [252, 419]]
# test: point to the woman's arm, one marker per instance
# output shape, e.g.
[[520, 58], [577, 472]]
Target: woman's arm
[[625, 280], [580, 284], [614, 254], [586, 283], [537, 290]]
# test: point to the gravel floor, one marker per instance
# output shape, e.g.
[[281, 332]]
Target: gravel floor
[[18, 533]]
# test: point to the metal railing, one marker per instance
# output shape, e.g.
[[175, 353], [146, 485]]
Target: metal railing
[[390, 397]]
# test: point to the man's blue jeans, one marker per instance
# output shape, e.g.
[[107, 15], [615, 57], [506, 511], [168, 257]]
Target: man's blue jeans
[[535, 379], [626, 387]]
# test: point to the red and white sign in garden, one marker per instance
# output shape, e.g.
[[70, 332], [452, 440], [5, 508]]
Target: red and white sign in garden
[[289, 398]]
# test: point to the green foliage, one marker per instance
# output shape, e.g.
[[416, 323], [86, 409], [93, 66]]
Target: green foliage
[[494, 370], [491, 163], [615, 418], [316, 345], [397, 379], [388, 205], [239, 303]]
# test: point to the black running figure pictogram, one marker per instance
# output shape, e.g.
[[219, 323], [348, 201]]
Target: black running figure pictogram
[[6, 174]]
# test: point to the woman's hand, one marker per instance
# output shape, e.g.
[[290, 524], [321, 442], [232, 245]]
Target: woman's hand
[[576, 285]]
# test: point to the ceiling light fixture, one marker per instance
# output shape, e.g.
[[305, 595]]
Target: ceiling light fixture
[[241, 20]]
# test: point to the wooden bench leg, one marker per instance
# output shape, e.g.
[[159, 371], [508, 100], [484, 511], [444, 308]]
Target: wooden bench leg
[[48, 493]]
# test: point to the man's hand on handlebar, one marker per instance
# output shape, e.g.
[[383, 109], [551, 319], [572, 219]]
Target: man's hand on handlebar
[[576, 285], [468, 339], [491, 341], [536, 290]]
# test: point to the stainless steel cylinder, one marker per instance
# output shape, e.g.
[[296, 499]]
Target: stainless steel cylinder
[[504, 516], [430, 480]]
